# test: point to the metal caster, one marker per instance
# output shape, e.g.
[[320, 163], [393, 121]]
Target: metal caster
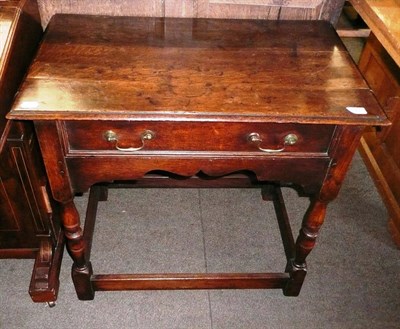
[[51, 304]]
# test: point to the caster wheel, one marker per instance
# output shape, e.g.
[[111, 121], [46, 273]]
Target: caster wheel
[[51, 304]]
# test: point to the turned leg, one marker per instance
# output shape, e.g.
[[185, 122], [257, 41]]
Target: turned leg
[[297, 268], [82, 268]]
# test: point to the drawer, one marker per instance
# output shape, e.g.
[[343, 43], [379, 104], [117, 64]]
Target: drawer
[[154, 136]]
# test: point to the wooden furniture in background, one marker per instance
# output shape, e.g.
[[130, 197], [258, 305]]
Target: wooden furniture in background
[[117, 98], [257, 9], [380, 65], [29, 226], [382, 17]]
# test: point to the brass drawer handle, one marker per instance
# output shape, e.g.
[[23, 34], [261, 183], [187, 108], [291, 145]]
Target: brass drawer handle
[[289, 139], [112, 137]]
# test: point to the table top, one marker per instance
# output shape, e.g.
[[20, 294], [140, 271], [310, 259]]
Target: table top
[[383, 18], [126, 68]]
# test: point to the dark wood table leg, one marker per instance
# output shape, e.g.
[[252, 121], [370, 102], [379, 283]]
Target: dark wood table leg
[[58, 175], [97, 193], [313, 220], [82, 268]]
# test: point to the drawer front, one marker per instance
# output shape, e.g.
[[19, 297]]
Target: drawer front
[[119, 137]]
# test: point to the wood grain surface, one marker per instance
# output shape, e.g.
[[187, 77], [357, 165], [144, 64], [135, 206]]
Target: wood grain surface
[[161, 67]]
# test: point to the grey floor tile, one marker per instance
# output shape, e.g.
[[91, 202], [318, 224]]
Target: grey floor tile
[[240, 232], [256, 309], [174, 309], [149, 230]]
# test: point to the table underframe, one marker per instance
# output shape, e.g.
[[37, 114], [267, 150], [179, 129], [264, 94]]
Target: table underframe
[[289, 281]]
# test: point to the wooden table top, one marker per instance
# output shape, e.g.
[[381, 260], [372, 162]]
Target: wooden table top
[[383, 18], [125, 68]]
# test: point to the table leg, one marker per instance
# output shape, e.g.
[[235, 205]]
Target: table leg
[[82, 268], [313, 220]]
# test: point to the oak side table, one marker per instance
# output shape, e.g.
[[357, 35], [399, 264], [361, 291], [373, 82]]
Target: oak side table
[[116, 98]]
